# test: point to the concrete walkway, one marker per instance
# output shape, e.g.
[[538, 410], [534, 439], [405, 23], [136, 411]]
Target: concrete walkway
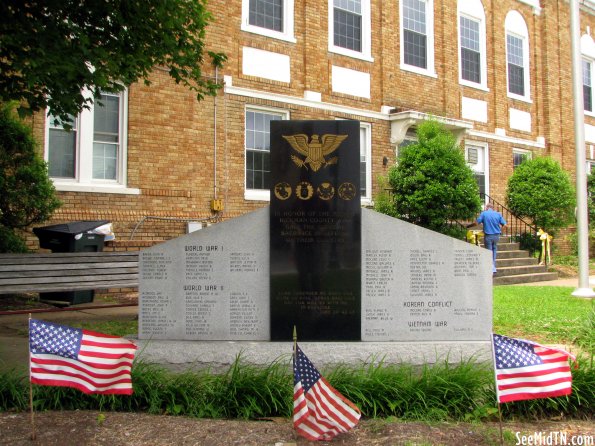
[[569, 281]]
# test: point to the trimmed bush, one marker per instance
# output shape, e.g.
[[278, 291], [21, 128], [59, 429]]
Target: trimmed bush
[[432, 185], [540, 190]]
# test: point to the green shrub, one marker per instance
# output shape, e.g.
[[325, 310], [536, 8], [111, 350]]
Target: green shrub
[[27, 195], [432, 185], [540, 190], [10, 241]]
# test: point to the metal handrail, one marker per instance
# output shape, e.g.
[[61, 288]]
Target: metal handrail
[[515, 226]]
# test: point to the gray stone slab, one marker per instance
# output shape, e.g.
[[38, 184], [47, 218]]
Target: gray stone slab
[[419, 285], [210, 284], [219, 355]]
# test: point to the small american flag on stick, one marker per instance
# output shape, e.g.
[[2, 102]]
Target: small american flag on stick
[[319, 411], [526, 370], [70, 357]]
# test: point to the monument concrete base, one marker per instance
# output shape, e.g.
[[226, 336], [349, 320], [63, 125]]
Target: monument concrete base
[[219, 355]]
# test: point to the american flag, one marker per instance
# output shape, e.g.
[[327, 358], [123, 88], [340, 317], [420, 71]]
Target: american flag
[[70, 357], [319, 411], [526, 370]]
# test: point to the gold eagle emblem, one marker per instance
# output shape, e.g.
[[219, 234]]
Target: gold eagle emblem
[[314, 151]]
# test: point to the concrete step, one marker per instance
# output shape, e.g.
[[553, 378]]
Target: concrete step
[[505, 246], [516, 261], [525, 278], [512, 254], [520, 269], [508, 246]]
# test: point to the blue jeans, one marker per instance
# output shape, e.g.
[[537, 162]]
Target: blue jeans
[[491, 243]]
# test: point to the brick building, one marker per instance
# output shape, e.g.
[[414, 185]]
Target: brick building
[[496, 72]]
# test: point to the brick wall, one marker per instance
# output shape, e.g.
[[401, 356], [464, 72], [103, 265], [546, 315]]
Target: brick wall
[[180, 163]]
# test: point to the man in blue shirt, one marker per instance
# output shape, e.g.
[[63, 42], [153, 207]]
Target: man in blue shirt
[[493, 222]]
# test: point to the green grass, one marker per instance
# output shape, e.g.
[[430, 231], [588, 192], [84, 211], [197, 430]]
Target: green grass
[[116, 328], [542, 314], [443, 392]]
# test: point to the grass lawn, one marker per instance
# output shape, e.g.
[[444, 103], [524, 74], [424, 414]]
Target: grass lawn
[[543, 314]]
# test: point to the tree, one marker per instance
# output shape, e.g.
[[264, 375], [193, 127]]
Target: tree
[[432, 184], [540, 190], [27, 195], [51, 52]]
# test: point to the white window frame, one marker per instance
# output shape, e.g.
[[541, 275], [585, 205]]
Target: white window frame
[[486, 161], [430, 70], [588, 55], [527, 153], [366, 53], [367, 128], [288, 18], [259, 194], [83, 180], [516, 26], [473, 10], [591, 64]]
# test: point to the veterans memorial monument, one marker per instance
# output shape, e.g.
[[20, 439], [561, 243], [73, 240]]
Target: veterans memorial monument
[[317, 260]]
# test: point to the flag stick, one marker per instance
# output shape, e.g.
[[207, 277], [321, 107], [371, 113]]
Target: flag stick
[[33, 434], [500, 423], [496, 385]]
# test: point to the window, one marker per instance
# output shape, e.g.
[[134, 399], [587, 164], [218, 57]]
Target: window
[[470, 50], [516, 70], [365, 141], [519, 156], [271, 18], [62, 148], [349, 28], [266, 14], [517, 56], [93, 153], [417, 36], [472, 44], [347, 19], [476, 159], [588, 85], [258, 145], [106, 138]]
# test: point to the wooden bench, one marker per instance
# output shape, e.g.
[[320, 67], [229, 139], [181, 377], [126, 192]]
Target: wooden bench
[[22, 273]]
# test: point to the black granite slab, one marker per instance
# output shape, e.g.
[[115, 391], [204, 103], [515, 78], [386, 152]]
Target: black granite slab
[[315, 230]]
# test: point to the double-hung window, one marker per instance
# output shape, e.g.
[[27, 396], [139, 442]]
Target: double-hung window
[[476, 157], [258, 146], [588, 53], [349, 28], [272, 18], [517, 56], [91, 155], [417, 36], [472, 44], [365, 141], [470, 50], [588, 85], [516, 68]]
